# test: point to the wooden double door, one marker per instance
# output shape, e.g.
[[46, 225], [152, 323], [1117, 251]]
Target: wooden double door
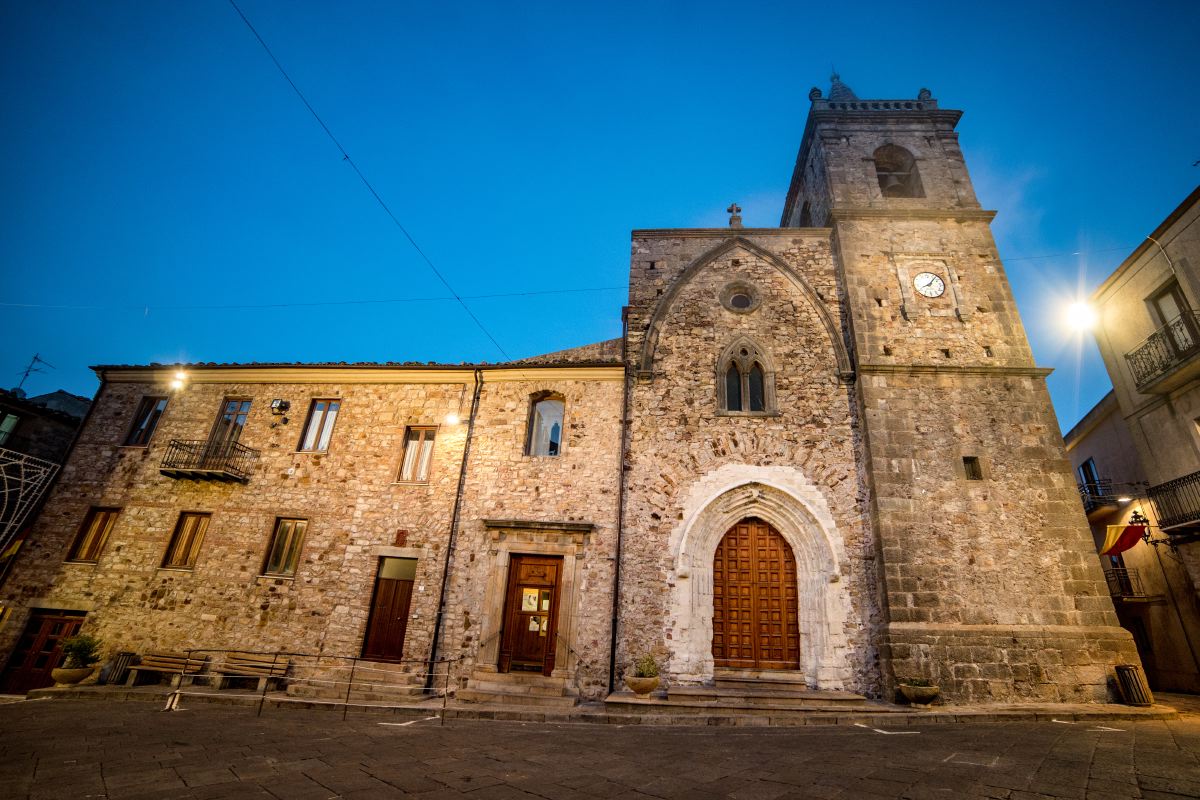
[[38, 651], [755, 604], [527, 641]]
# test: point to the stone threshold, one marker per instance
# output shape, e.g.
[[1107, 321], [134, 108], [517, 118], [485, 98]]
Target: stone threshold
[[888, 715]]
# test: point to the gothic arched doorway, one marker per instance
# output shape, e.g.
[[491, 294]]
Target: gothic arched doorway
[[755, 606]]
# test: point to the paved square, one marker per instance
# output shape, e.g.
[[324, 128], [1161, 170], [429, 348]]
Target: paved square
[[93, 749]]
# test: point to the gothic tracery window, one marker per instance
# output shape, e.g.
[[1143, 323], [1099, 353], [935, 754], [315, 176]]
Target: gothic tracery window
[[747, 381], [897, 172]]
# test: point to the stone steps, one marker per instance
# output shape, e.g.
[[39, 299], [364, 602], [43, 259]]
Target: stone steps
[[373, 681], [518, 689], [766, 696], [747, 692]]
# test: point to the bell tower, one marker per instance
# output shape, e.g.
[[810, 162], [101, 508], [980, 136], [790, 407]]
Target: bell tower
[[988, 578]]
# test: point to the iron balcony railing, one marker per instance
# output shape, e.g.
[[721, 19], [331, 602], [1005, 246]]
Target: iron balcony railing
[[1097, 494], [207, 459], [1124, 582], [1165, 349], [1177, 502]]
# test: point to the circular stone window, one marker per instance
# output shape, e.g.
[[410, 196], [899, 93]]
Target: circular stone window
[[740, 298]]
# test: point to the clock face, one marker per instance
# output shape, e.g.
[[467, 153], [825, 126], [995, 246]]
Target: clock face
[[929, 284]]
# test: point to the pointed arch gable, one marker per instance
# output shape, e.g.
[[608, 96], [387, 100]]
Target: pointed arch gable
[[658, 318]]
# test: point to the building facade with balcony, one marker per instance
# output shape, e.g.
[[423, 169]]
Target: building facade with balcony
[[821, 450], [1148, 336], [1151, 589]]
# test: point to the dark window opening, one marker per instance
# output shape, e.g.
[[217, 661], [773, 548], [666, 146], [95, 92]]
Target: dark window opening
[[757, 389], [897, 172], [973, 468], [733, 389], [145, 421]]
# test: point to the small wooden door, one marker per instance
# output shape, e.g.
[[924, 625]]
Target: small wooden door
[[530, 614], [38, 651], [389, 609], [755, 608]]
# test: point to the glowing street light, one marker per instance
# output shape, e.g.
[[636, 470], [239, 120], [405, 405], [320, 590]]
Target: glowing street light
[[178, 382], [1081, 316]]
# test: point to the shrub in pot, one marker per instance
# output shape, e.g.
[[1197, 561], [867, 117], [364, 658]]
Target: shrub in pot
[[81, 654], [644, 679]]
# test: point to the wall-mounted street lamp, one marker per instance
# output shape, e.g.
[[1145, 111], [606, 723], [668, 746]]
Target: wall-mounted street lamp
[[179, 381]]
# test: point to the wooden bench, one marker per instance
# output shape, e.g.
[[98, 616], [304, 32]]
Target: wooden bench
[[167, 663], [265, 667]]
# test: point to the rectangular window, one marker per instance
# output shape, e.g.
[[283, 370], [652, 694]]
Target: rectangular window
[[283, 555], [230, 422], [418, 453], [972, 467], [8, 423], [319, 427], [1088, 475], [93, 533], [185, 542], [145, 421]]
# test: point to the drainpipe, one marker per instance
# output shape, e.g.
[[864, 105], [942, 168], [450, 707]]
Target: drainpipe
[[458, 496], [612, 648]]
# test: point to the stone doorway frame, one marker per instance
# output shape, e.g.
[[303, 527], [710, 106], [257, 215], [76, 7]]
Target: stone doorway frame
[[509, 536], [786, 500]]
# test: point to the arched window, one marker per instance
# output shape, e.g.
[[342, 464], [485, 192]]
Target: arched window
[[897, 172], [545, 435], [748, 380], [806, 215]]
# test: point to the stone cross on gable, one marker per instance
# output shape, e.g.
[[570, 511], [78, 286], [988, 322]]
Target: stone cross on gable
[[735, 215]]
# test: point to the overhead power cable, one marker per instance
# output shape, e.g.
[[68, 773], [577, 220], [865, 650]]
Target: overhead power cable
[[378, 301], [346, 157]]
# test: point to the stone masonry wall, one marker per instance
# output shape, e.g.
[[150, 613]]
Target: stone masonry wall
[[679, 441], [349, 496], [579, 485]]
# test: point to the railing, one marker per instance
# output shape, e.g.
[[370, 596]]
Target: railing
[[1177, 502], [1124, 582], [1097, 494], [203, 458], [1165, 349]]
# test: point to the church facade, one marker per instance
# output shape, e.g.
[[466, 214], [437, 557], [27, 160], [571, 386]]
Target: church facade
[[821, 449]]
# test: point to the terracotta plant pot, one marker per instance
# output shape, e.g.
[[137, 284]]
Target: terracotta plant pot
[[64, 676], [642, 687], [919, 696]]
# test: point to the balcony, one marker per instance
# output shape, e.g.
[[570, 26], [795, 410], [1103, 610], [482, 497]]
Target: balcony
[[1158, 362], [1098, 498], [205, 460], [1177, 504], [1124, 584]]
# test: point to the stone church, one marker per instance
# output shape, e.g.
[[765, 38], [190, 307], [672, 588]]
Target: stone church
[[821, 449]]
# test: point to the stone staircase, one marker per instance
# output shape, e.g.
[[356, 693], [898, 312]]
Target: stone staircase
[[374, 682], [740, 692], [525, 689]]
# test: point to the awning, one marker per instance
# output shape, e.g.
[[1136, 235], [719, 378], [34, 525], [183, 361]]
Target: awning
[[1120, 538]]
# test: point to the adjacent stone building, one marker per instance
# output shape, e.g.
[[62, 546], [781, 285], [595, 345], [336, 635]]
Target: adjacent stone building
[[1138, 450], [821, 450]]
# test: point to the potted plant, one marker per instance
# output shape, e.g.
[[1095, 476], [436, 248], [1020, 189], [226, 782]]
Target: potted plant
[[644, 679], [919, 692], [81, 653]]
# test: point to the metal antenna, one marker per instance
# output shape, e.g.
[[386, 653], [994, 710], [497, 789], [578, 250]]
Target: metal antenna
[[33, 367]]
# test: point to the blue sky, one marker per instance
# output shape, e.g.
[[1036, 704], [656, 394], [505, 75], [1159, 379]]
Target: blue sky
[[157, 162]]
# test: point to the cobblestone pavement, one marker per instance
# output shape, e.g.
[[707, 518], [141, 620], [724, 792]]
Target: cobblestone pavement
[[81, 749]]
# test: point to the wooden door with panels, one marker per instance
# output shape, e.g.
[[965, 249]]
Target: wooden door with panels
[[527, 641], [39, 650], [390, 606], [755, 605]]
